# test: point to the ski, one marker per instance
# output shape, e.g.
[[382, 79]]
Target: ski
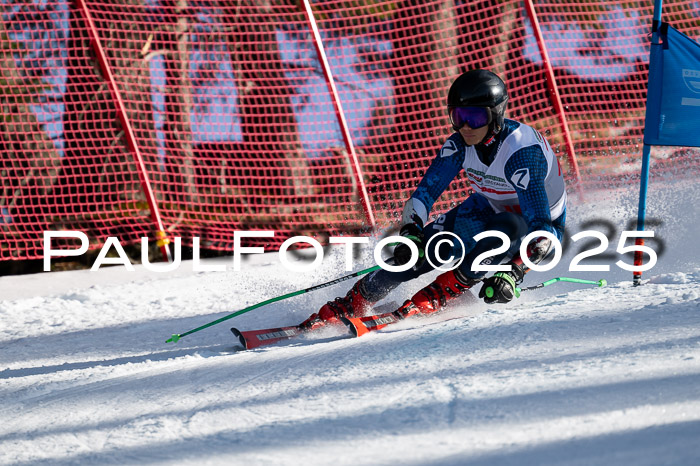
[[359, 326], [251, 339]]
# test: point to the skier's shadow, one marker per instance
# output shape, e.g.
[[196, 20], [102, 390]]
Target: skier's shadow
[[202, 351]]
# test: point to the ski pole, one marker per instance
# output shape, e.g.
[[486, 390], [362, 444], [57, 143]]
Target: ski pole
[[177, 336], [600, 283]]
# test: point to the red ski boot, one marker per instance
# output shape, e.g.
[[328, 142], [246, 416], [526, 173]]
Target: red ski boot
[[354, 304], [435, 296]]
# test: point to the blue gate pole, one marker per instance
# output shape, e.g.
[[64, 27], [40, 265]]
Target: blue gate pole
[[642, 211], [646, 156]]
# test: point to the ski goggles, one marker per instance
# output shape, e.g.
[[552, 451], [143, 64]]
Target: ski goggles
[[475, 117]]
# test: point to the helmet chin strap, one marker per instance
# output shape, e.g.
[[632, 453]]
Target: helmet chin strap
[[491, 135]]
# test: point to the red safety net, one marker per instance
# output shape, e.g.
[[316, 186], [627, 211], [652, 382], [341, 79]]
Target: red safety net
[[215, 116]]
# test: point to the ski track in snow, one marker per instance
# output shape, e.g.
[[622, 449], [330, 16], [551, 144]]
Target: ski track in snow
[[565, 375]]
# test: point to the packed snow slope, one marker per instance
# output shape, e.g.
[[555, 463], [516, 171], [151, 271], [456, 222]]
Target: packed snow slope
[[568, 374]]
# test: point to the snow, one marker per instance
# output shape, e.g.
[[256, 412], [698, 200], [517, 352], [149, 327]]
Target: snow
[[569, 374]]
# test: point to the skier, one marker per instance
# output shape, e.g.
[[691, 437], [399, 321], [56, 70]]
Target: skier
[[519, 189]]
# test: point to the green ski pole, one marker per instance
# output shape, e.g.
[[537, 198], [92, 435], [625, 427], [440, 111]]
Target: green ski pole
[[600, 283], [177, 336]]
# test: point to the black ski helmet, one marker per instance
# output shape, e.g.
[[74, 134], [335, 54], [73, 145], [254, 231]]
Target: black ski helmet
[[480, 88]]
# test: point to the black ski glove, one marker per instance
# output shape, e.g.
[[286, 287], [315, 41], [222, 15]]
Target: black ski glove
[[502, 286], [402, 253]]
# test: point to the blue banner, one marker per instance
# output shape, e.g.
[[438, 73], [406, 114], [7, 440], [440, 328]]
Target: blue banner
[[673, 100]]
